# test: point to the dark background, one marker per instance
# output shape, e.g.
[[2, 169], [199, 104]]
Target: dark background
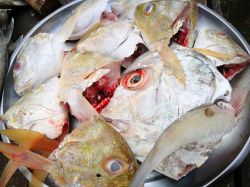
[[236, 11]]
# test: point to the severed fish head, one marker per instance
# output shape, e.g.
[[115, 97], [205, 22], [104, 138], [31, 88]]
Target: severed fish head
[[39, 110], [93, 155], [40, 59], [80, 71], [159, 20], [150, 98], [223, 51], [118, 40]]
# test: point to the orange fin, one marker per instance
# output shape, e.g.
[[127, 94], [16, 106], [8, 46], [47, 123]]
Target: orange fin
[[8, 171], [38, 178], [23, 157], [30, 139]]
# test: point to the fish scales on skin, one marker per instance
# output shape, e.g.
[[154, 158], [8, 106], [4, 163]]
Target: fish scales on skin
[[92, 155], [147, 79], [5, 36]]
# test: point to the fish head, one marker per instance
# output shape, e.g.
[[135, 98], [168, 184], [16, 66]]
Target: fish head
[[160, 20], [93, 155], [150, 97], [39, 59]]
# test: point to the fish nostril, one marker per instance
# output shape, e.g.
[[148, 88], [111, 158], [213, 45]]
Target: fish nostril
[[98, 175]]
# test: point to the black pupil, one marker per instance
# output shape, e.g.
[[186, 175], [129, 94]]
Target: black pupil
[[135, 79], [148, 7], [115, 166]]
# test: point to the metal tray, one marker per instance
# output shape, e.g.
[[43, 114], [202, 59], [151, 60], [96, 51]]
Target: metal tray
[[235, 147]]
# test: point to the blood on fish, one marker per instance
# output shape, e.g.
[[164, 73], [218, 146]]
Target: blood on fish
[[181, 37], [108, 17], [100, 93], [230, 70], [17, 66]]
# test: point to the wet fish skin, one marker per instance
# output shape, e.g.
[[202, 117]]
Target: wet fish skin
[[159, 20], [140, 122], [93, 154], [96, 145], [203, 126], [39, 110], [118, 40], [5, 36]]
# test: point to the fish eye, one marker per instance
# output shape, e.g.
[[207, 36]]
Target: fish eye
[[149, 8], [135, 79], [114, 166]]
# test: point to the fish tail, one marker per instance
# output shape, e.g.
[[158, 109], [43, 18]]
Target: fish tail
[[37, 178], [23, 157], [31, 140], [8, 171]]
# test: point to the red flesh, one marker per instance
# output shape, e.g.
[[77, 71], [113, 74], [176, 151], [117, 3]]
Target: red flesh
[[181, 37], [230, 71], [100, 93]]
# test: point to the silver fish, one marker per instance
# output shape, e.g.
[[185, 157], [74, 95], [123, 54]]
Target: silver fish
[[5, 36], [150, 98], [202, 127]]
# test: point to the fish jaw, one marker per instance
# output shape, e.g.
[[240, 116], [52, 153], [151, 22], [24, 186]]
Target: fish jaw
[[84, 156], [39, 110], [118, 40], [39, 60], [223, 51], [164, 20], [148, 111]]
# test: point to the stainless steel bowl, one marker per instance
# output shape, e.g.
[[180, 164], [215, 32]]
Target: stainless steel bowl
[[234, 148]]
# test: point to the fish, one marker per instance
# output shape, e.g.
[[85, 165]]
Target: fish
[[40, 58], [94, 154], [225, 53], [201, 127], [92, 14], [79, 72], [117, 40], [5, 37], [4, 3], [39, 110], [160, 20], [149, 98]]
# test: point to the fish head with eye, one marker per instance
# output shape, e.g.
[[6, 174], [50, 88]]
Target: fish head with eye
[[94, 155], [160, 20], [149, 98]]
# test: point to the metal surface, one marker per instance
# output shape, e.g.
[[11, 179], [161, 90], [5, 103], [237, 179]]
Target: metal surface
[[230, 154]]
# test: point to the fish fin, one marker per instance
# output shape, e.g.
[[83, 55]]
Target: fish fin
[[198, 125], [8, 172], [37, 178], [6, 34], [174, 66], [23, 157], [215, 54], [193, 20], [30, 139], [68, 26]]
